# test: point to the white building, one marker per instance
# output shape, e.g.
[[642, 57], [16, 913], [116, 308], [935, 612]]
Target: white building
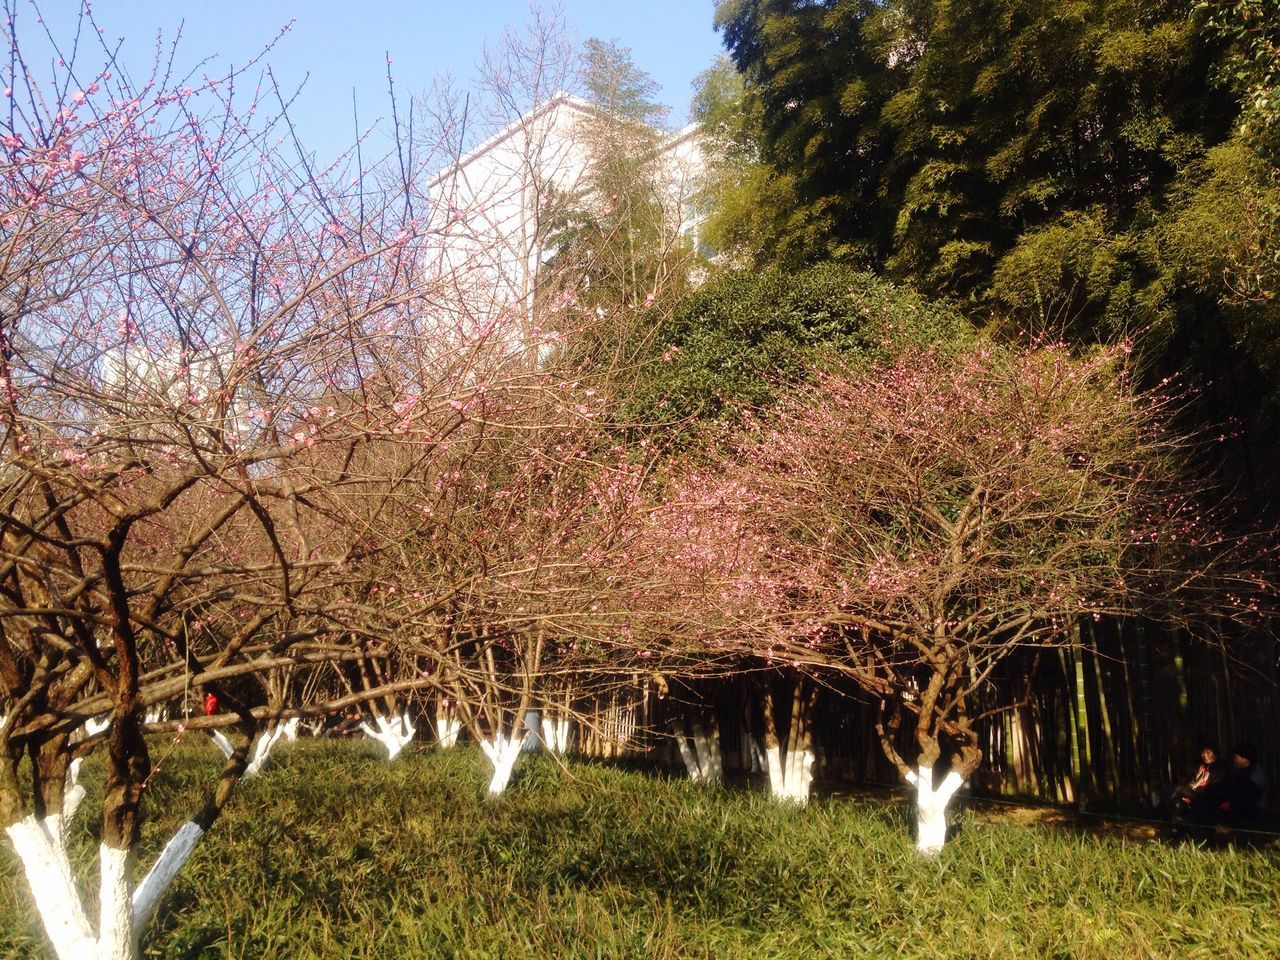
[[495, 205]]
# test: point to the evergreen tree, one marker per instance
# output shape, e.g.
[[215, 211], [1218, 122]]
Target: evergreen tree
[[817, 74], [619, 236], [613, 82], [748, 204]]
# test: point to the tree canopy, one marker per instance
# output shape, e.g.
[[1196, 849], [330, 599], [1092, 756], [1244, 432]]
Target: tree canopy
[[1089, 168], [742, 337]]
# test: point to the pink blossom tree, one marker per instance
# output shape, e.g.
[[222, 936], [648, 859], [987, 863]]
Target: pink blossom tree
[[913, 525], [535, 621], [223, 376]]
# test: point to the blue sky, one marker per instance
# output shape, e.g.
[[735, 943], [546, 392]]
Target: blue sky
[[341, 45]]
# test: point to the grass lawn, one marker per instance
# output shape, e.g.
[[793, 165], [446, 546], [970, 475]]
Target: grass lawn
[[333, 853]]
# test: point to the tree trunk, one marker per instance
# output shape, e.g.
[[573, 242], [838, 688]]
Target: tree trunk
[[262, 747], [448, 725], [122, 910], [790, 759], [931, 808], [48, 873], [556, 728], [503, 751], [700, 749], [394, 734]]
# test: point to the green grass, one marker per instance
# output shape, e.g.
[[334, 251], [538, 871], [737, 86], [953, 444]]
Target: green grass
[[334, 853]]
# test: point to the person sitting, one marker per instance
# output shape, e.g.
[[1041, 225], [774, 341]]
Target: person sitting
[[1194, 800], [1243, 797]]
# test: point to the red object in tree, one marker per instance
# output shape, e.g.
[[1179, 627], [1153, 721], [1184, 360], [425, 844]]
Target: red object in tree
[[210, 704]]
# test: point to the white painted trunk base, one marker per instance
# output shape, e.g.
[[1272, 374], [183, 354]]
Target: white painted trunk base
[[40, 846], [116, 937], [57, 822], [701, 755], [121, 914], [171, 860], [222, 743], [53, 889], [533, 730], [96, 725], [73, 793], [689, 758], [755, 752], [56, 826], [931, 808], [503, 752], [394, 735], [262, 747], [791, 778], [448, 726], [555, 732], [261, 751]]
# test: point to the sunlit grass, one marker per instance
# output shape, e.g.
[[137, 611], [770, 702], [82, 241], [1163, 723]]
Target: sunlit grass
[[334, 853]]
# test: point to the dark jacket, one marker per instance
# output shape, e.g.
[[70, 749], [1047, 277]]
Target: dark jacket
[[1246, 793]]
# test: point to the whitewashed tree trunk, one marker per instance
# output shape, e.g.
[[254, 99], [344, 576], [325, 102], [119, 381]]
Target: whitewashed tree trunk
[[262, 747], [755, 753], [72, 795], [52, 884], [117, 939], [790, 776], [394, 734], [931, 808], [448, 724], [557, 723], [533, 729], [700, 752], [121, 913], [141, 905], [555, 731], [96, 725], [503, 751], [262, 750], [789, 760], [48, 872], [171, 860], [221, 742]]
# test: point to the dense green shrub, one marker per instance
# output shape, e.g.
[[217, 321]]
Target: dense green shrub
[[745, 334]]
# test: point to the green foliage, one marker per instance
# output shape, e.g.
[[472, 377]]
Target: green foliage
[[814, 89], [746, 202], [1219, 245], [335, 853], [1222, 235], [934, 138], [1252, 67], [614, 83], [722, 111], [1079, 168], [1028, 117], [618, 235], [744, 335], [1077, 277]]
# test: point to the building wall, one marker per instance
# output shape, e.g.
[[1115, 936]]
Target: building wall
[[492, 208]]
